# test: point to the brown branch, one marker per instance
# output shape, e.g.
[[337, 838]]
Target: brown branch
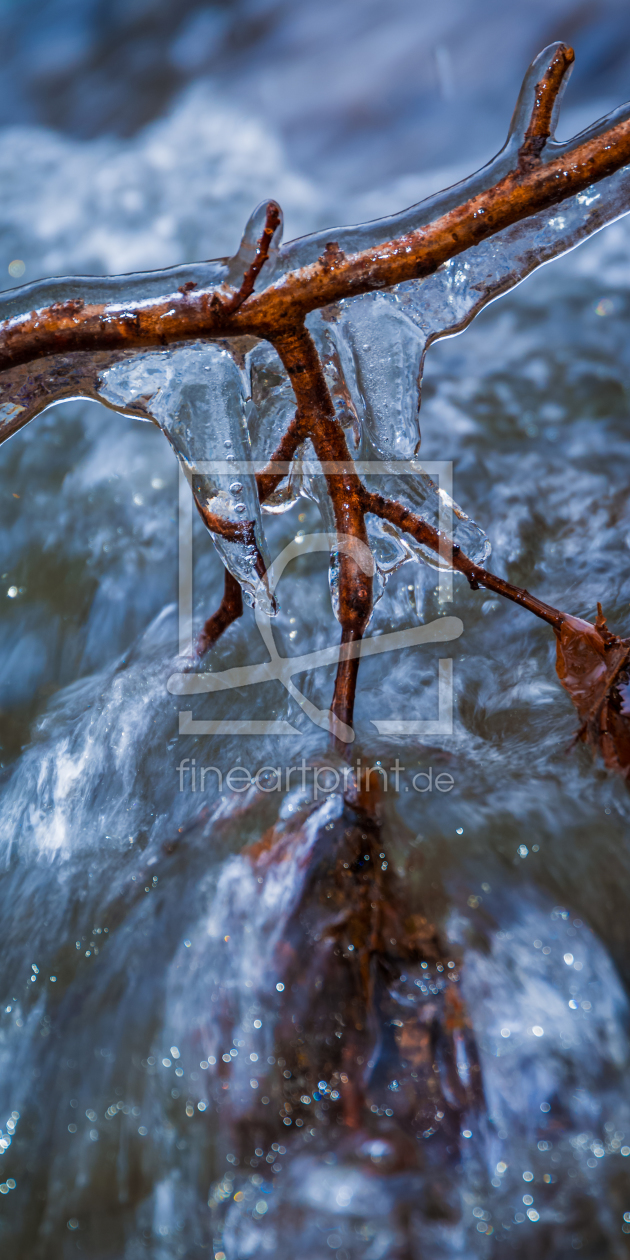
[[300, 358], [425, 534], [232, 531], [546, 92], [230, 608], [351, 501], [272, 221], [302, 363], [75, 325], [421, 252], [277, 314], [268, 479]]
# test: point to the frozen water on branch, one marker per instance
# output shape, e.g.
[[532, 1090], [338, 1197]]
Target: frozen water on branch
[[269, 414], [196, 394], [372, 347], [382, 354]]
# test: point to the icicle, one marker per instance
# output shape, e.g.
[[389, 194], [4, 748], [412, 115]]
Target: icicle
[[381, 352], [373, 356], [269, 414], [445, 303], [196, 394]]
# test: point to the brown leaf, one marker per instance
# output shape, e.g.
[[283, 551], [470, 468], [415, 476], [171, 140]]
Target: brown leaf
[[593, 665]]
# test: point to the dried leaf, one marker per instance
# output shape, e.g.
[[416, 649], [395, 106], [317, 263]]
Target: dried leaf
[[593, 665]]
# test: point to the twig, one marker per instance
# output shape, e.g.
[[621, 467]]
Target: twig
[[268, 479], [546, 92], [229, 610], [232, 531], [300, 358], [272, 221], [400, 516]]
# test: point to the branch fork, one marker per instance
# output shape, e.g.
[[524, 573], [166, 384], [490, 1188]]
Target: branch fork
[[535, 173]]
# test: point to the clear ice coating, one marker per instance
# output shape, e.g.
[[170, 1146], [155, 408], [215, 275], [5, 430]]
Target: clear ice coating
[[196, 394], [270, 411], [379, 354], [307, 249], [372, 349], [237, 266]]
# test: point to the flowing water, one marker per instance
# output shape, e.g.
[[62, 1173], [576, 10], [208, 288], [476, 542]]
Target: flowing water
[[434, 1008]]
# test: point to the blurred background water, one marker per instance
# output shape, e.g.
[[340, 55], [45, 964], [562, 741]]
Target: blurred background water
[[139, 135]]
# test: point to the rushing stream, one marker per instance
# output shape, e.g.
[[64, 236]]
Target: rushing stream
[[189, 1064]]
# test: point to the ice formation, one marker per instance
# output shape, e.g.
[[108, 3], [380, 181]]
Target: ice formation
[[227, 400]]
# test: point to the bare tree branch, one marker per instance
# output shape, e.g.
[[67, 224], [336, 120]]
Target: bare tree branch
[[76, 336], [189, 313]]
